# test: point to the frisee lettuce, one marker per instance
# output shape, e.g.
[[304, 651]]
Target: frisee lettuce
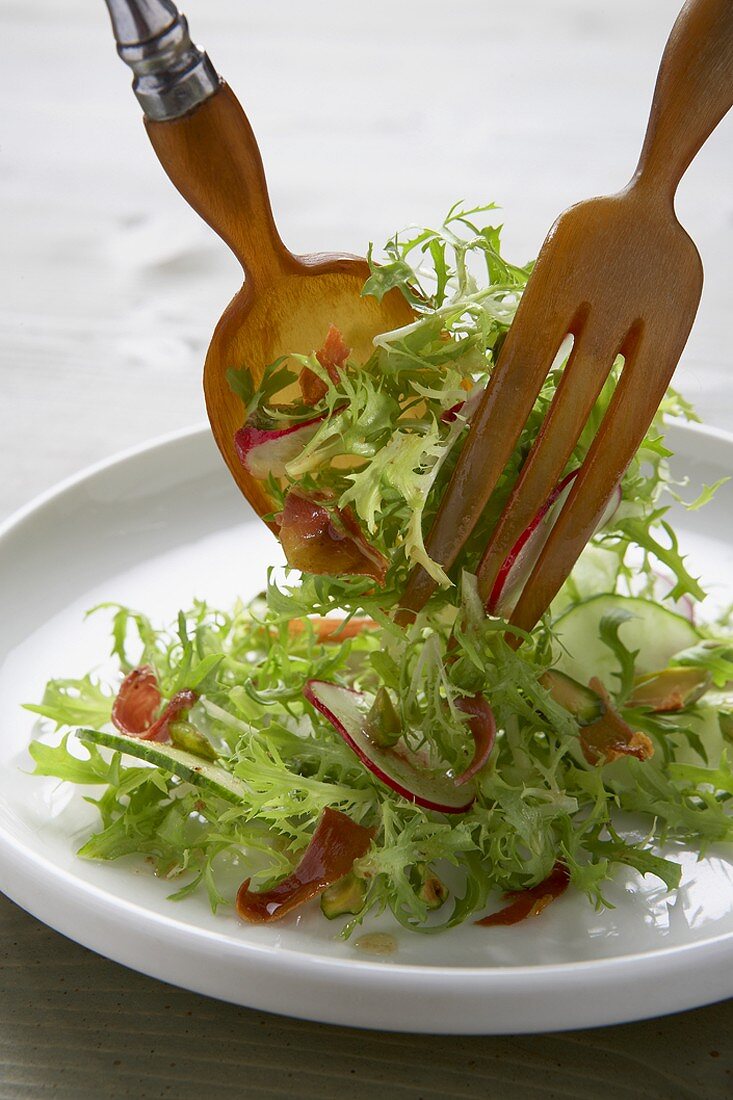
[[538, 799]]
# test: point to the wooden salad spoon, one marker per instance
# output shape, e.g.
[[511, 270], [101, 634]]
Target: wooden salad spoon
[[624, 278], [206, 145]]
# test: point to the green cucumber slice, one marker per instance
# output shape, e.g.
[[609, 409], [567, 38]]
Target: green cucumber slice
[[210, 777], [655, 631]]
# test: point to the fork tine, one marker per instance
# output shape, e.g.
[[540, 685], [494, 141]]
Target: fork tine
[[587, 369], [644, 380], [523, 365]]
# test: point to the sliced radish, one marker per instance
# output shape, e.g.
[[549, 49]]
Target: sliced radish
[[399, 768], [464, 409], [265, 451], [522, 558]]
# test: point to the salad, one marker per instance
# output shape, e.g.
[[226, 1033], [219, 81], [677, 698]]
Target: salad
[[305, 746]]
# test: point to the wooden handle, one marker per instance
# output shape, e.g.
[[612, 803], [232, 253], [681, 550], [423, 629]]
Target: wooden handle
[[212, 157], [694, 91]]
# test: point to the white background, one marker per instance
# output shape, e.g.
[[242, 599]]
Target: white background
[[369, 116]]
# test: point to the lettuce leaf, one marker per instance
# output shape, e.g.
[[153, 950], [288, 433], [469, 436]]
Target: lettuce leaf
[[391, 433]]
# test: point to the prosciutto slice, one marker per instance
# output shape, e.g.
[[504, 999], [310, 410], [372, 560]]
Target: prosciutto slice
[[138, 701], [482, 725], [530, 903], [335, 845], [609, 736], [320, 540], [332, 357]]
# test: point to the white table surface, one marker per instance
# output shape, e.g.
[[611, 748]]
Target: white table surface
[[369, 117]]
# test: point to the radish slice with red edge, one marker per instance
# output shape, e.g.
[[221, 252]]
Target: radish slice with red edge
[[464, 409], [336, 843], [399, 768], [265, 451], [522, 558]]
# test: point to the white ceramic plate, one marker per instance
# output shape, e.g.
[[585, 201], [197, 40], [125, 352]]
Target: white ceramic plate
[[163, 524]]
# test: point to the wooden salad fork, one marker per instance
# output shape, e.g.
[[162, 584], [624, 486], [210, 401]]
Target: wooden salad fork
[[624, 278], [206, 145]]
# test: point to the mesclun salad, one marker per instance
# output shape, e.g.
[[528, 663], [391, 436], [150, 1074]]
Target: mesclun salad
[[303, 745]]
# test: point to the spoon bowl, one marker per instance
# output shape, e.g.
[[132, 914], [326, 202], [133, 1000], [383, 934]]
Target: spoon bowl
[[291, 314], [287, 302]]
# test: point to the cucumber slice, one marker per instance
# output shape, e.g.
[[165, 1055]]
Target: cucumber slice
[[656, 632], [595, 571], [210, 777]]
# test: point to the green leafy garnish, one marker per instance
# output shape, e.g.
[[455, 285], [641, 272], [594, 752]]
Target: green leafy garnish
[[389, 435]]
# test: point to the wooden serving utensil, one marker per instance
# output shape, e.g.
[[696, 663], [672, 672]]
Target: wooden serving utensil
[[206, 145], [624, 278]]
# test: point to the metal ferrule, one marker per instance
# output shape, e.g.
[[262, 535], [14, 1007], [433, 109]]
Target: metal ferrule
[[172, 76]]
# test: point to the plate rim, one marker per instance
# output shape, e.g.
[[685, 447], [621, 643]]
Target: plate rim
[[200, 429], [138, 921]]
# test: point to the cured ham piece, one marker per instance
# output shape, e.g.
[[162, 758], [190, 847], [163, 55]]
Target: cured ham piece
[[530, 903], [482, 725], [335, 845], [139, 699], [332, 357], [320, 540], [137, 702], [331, 630], [609, 737]]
